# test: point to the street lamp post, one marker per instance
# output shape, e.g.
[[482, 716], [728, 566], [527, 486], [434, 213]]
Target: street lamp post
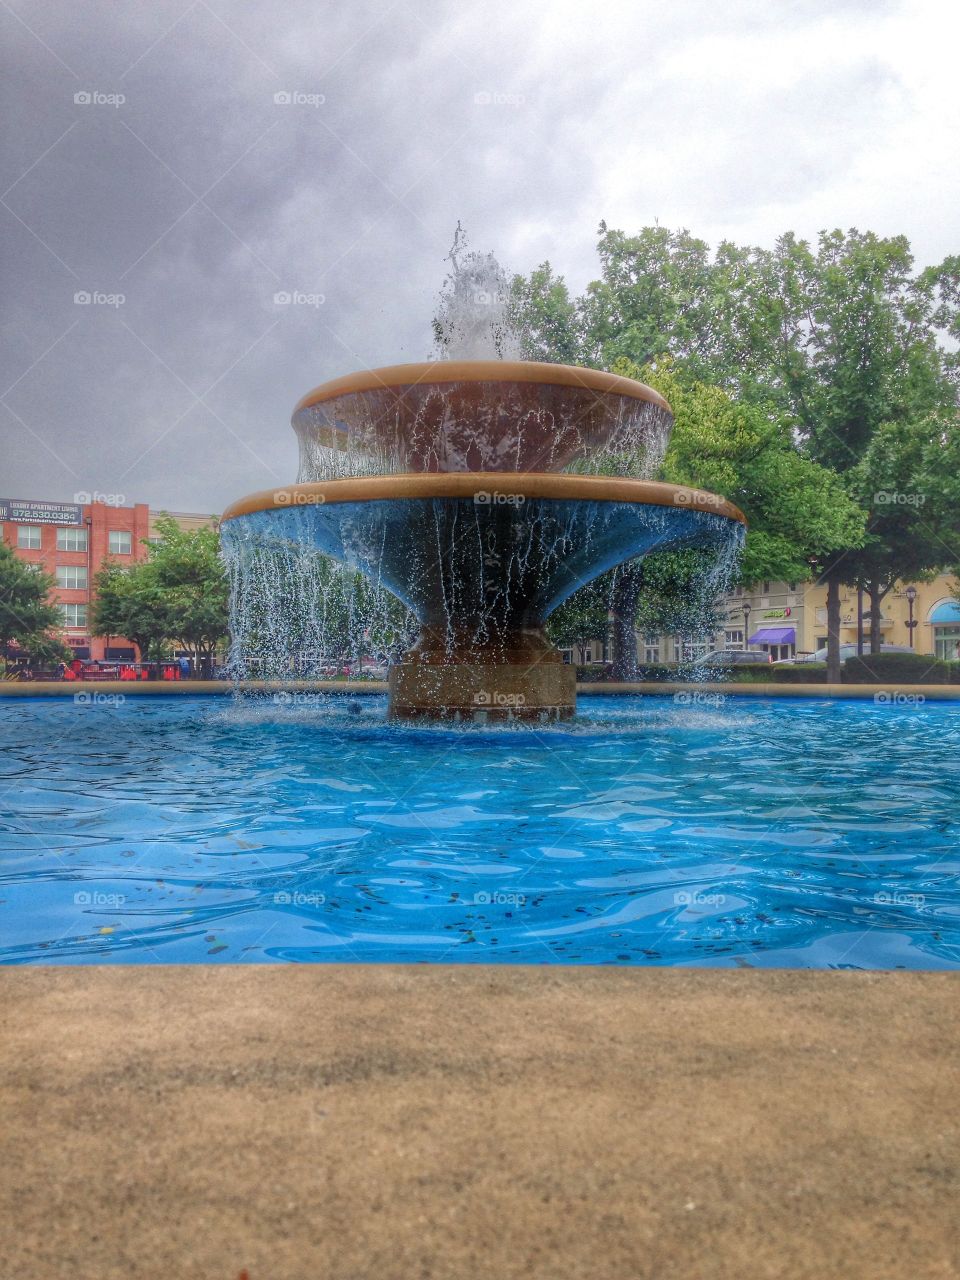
[[911, 594], [746, 624]]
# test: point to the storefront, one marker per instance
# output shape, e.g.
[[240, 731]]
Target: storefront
[[778, 642], [944, 621]]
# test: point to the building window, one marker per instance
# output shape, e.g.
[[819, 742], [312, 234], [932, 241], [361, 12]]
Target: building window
[[733, 639], [651, 648], [28, 537], [74, 615], [71, 539], [121, 542], [72, 577], [946, 643], [686, 650]]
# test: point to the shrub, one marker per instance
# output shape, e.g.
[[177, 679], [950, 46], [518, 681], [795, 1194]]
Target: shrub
[[900, 668], [768, 673]]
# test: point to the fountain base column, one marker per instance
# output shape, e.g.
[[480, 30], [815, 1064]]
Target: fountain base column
[[524, 678]]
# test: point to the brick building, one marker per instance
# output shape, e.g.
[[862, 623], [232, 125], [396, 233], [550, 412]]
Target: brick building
[[70, 541]]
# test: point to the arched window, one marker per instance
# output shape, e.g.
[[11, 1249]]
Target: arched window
[[944, 617]]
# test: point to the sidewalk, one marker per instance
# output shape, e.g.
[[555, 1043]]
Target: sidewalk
[[458, 1123]]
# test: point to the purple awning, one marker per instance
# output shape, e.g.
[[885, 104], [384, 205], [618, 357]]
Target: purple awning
[[774, 635]]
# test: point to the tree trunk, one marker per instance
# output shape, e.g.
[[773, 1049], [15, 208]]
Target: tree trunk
[[623, 628], [877, 594], [833, 630]]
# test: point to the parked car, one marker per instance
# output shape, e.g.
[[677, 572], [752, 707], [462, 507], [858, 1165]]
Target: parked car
[[729, 658], [846, 651]]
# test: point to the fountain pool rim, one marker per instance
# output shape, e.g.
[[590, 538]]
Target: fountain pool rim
[[467, 484], [401, 377]]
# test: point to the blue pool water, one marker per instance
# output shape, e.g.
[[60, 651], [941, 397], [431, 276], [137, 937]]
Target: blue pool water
[[650, 831]]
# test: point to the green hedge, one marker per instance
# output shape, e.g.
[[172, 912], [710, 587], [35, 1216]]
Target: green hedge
[[900, 668], [768, 673]]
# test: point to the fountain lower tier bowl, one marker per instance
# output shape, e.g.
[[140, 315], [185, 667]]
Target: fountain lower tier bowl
[[482, 560]]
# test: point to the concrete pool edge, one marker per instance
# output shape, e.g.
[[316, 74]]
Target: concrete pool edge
[[736, 689], [407, 1120]]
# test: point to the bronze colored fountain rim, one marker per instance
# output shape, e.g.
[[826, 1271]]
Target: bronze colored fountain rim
[[400, 377], [499, 486]]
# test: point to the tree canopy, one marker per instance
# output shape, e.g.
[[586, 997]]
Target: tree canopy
[[27, 614]]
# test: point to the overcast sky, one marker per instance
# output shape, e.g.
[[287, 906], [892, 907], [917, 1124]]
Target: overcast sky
[[183, 186]]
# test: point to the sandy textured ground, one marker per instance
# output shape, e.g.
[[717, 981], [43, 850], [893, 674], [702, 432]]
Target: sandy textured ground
[[348, 1122]]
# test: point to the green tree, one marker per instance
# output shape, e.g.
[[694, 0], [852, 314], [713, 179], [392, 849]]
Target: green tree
[[795, 509], [186, 569], [836, 344], [27, 614], [129, 602]]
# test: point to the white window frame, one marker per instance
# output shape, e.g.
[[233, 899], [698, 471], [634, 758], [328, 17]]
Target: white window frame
[[72, 538], [118, 535], [76, 612], [25, 537], [75, 571]]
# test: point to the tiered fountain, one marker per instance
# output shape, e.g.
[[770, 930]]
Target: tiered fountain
[[470, 489]]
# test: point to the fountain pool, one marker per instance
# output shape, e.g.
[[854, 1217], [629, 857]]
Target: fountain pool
[[646, 831]]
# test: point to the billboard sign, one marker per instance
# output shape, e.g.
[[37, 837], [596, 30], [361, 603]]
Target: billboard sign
[[26, 511]]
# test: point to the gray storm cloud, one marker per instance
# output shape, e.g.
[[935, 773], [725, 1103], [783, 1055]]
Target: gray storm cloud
[[210, 207]]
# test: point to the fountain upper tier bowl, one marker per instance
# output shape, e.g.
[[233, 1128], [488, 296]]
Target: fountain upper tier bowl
[[478, 415]]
